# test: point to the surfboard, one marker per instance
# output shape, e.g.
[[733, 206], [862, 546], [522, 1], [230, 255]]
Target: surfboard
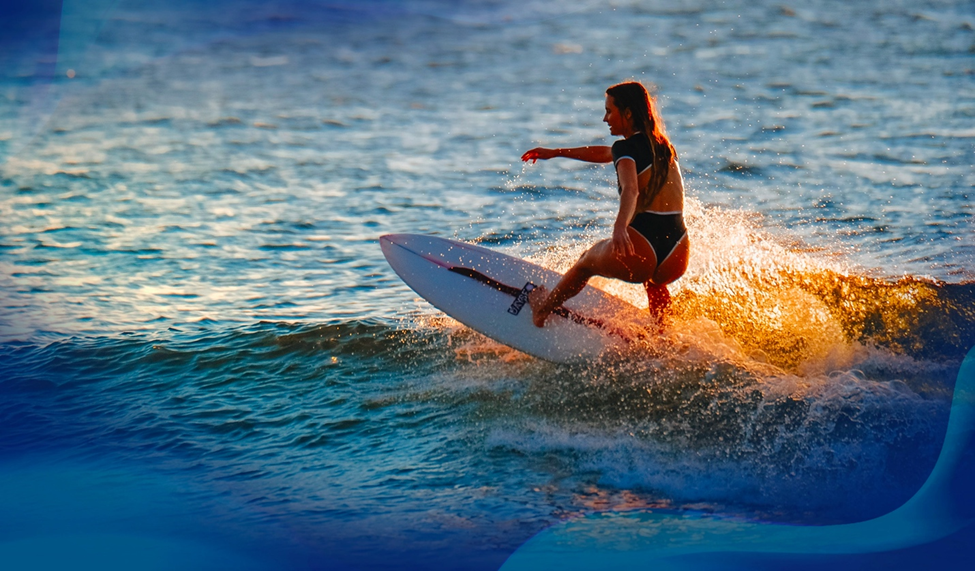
[[488, 292]]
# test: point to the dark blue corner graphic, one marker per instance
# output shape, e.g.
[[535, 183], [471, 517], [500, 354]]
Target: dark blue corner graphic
[[932, 530]]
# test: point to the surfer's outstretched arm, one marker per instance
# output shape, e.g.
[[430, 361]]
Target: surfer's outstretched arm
[[590, 154]]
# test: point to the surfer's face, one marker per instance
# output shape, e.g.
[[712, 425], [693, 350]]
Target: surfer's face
[[619, 124]]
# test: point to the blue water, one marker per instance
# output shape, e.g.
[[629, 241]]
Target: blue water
[[204, 356]]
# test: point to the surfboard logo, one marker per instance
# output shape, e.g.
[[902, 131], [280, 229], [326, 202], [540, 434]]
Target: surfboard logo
[[521, 299]]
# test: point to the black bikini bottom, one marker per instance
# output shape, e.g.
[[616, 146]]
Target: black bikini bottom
[[662, 231]]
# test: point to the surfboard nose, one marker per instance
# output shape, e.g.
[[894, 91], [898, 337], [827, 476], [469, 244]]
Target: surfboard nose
[[397, 250], [386, 241]]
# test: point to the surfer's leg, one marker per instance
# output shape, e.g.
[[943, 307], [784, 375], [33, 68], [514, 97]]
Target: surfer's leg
[[543, 302], [658, 298], [599, 260]]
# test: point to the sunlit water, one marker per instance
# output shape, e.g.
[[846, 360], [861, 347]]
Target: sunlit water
[[196, 316]]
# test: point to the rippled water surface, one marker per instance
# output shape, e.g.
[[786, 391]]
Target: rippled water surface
[[196, 319]]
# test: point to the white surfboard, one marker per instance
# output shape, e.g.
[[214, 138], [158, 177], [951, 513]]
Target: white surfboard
[[488, 292]]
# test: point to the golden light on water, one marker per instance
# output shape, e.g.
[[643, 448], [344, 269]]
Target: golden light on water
[[793, 309], [784, 326]]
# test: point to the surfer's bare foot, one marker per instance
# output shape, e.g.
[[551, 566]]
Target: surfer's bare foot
[[536, 300]]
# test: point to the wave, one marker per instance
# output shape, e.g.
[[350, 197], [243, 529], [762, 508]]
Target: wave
[[789, 317], [796, 387]]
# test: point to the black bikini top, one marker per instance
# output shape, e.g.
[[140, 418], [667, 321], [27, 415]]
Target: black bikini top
[[636, 148]]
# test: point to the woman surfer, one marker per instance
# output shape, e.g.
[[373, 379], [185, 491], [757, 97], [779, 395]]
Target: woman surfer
[[649, 243]]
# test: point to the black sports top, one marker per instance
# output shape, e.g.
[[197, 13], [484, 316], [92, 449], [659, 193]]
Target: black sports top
[[638, 148]]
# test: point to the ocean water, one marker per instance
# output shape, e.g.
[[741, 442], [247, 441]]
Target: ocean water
[[205, 360]]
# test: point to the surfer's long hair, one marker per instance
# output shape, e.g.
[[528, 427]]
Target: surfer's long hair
[[632, 96]]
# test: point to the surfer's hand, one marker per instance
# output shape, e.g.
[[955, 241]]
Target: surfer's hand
[[622, 244], [538, 153]]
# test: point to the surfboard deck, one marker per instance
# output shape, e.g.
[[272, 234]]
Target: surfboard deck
[[487, 291]]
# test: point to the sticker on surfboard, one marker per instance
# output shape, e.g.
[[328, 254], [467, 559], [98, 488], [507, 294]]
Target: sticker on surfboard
[[521, 300]]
